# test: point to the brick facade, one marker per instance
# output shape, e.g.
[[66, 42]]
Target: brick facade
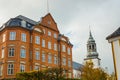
[[33, 48]]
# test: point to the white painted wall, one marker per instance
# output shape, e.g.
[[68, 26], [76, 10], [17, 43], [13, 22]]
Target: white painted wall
[[116, 46], [96, 63], [76, 74]]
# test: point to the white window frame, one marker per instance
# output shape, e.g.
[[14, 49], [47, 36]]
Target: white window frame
[[37, 39], [49, 45], [12, 36], [64, 61], [36, 67], [10, 69], [22, 67], [37, 55], [22, 53], [55, 46], [63, 48], [43, 43], [49, 58], [69, 50], [55, 59], [69, 62], [43, 57], [49, 33], [23, 37], [55, 35], [11, 52]]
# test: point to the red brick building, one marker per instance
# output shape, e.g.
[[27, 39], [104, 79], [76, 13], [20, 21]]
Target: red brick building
[[27, 45]]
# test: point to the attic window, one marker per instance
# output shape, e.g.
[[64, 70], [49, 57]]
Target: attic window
[[23, 23], [49, 22]]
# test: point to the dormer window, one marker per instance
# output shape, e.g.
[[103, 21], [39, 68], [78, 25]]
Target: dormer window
[[23, 23]]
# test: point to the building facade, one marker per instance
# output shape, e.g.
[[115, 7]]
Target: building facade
[[92, 54], [114, 39], [27, 45], [77, 70]]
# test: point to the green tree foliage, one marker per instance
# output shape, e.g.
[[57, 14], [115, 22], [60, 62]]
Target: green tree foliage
[[49, 74], [88, 72]]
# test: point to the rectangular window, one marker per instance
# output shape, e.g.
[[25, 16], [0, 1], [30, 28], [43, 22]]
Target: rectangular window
[[10, 69], [11, 52], [68, 50], [37, 55], [69, 62], [49, 58], [36, 67], [64, 61], [55, 35], [23, 53], [63, 48], [55, 46], [43, 57], [22, 68], [4, 36], [3, 52], [49, 33], [1, 70], [55, 60], [12, 36], [49, 45], [37, 39], [43, 43], [23, 37]]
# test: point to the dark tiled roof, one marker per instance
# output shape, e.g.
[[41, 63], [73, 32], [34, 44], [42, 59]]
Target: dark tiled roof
[[17, 21], [27, 19], [114, 34], [77, 66]]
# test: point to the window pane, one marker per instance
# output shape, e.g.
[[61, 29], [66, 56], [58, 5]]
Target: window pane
[[37, 55], [37, 39], [12, 35], [63, 48], [22, 68], [55, 47], [49, 45], [43, 43], [10, 69], [23, 53], [49, 58], [11, 52], [23, 37]]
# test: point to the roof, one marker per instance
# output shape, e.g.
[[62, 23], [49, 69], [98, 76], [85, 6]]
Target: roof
[[77, 66], [27, 19], [21, 21], [114, 34]]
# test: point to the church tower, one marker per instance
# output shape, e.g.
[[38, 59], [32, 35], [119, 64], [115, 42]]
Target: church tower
[[92, 54]]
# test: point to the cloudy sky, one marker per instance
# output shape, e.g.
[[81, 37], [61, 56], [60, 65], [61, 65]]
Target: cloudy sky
[[73, 18]]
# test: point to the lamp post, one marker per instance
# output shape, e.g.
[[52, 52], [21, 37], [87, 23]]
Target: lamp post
[[59, 53]]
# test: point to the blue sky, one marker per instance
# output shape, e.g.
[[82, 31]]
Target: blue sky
[[73, 18]]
